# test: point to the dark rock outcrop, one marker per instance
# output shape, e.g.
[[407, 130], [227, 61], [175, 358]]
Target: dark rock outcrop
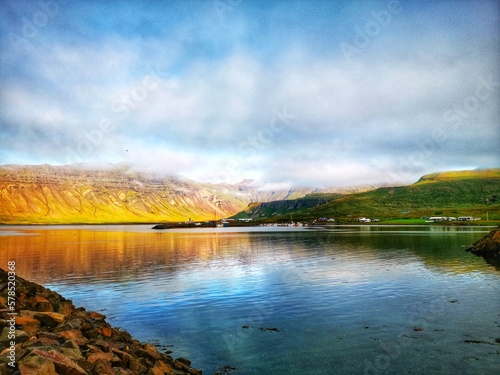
[[488, 246], [46, 334]]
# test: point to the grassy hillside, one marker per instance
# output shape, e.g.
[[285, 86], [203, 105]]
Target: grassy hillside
[[460, 193], [285, 207]]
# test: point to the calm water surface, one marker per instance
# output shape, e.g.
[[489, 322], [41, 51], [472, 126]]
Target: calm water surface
[[342, 300]]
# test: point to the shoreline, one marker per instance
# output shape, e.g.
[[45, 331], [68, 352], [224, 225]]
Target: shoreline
[[43, 332], [482, 223]]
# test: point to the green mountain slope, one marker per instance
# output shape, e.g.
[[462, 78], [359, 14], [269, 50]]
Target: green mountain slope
[[447, 194], [285, 207]]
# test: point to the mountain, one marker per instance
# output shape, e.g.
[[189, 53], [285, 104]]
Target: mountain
[[118, 193], [271, 209], [297, 200], [456, 193]]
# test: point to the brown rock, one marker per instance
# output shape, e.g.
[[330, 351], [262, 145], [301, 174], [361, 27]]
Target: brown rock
[[48, 335], [42, 304], [181, 366], [488, 246], [71, 323], [167, 369], [20, 353], [22, 297], [124, 357], [86, 366], [21, 336], [115, 361], [63, 365], [138, 365], [168, 359], [70, 344], [150, 347], [91, 333], [25, 320], [95, 315], [65, 308], [93, 348], [93, 357], [184, 360], [155, 371], [102, 367], [184, 367], [74, 354], [105, 331], [75, 336], [29, 325], [155, 356], [50, 319], [38, 299], [123, 336], [34, 365], [44, 341], [104, 345], [122, 371], [27, 313], [44, 307], [117, 345]]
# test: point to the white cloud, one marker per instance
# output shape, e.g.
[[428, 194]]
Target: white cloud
[[202, 100]]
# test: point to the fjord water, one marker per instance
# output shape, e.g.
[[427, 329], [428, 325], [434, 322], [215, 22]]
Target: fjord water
[[339, 300]]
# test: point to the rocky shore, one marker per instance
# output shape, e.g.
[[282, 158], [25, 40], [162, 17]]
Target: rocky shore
[[42, 333], [488, 246]]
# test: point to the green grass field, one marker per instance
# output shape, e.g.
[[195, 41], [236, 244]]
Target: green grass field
[[467, 193]]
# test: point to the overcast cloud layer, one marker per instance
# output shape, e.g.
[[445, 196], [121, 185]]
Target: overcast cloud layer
[[314, 93]]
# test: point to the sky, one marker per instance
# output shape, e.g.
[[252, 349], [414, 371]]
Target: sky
[[288, 93]]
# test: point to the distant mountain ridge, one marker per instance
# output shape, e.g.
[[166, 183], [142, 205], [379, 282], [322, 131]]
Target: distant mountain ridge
[[454, 193], [119, 193]]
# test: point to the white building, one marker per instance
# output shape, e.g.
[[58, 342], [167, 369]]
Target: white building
[[438, 218]]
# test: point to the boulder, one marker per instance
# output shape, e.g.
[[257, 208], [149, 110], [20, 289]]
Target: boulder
[[37, 366], [50, 319], [489, 245], [102, 367], [62, 364]]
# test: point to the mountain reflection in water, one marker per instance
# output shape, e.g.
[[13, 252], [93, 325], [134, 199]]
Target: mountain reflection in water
[[309, 300]]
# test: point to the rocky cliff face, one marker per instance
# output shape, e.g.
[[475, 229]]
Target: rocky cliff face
[[115, 194]]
